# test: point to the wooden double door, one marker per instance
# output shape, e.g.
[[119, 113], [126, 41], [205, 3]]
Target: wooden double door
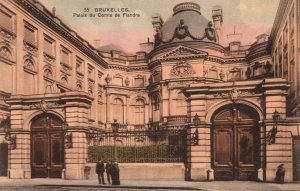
[[47, 147], [235, 144]]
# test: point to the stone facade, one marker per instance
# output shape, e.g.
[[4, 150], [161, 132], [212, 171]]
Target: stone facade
[[48, 69]]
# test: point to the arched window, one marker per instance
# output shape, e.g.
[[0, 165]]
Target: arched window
[[118, 110], [139, 112], [155, 108], [181, 105]]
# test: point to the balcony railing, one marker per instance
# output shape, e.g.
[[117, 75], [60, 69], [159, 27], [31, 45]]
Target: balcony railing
[[177, 119]]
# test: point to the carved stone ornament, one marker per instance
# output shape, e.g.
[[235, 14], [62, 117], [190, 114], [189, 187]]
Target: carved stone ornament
[[234, 94], [30, 47], [7, 34], [44, 105], [5, 51], [48, 58], [181, 31], [90, 87], [127, 81], [108, 79], [182, 69], [222, 75]]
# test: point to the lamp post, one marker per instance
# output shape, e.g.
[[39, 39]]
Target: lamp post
[[67, 136], [115, 128], [195, 136], [10, 138], [276, 119]]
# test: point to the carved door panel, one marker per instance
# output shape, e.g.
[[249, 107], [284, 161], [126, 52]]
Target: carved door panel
[[223, 153], [56, 155], [39, 155], [3, 159], [247, 154], [296, 159]]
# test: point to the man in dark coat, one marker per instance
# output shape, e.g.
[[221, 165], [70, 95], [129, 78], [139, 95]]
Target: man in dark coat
[[280, 173], [108, 167], [100, 171]]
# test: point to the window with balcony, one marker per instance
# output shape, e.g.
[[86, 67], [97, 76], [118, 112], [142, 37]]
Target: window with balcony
[[118, 110]]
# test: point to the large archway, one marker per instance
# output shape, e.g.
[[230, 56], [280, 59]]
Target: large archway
[[235, 143], [47, 146]]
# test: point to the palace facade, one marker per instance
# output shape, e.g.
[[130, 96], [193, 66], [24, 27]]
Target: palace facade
[[232, 110]]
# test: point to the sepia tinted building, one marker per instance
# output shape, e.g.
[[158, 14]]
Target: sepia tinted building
[[187, 105]]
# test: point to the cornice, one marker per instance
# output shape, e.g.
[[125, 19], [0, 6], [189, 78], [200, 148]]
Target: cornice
[[128, 68], [61, 29], [190, 44]]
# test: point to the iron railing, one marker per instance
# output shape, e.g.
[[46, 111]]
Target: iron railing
[[139, 146]]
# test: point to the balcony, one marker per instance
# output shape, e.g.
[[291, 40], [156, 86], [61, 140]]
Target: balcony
[[177, 119]]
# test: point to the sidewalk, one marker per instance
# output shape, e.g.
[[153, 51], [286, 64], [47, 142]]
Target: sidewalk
[[12, 184]]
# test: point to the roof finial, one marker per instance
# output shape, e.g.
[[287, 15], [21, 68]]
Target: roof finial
[[234, 29]]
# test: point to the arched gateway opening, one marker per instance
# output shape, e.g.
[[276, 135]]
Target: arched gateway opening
[[47, 146], [235, 143]]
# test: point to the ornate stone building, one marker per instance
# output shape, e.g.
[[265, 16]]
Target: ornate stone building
[[236, 107]]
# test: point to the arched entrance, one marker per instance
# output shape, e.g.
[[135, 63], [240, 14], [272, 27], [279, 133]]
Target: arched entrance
[[47, 146], [235, 143]]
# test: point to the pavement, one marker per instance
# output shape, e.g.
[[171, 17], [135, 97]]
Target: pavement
[[140, 185]]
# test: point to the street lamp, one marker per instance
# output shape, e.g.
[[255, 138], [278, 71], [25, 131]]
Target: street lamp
[[65, 127], [276, 119], [115, 128], [67, 136], [10, 138], [195, 136]]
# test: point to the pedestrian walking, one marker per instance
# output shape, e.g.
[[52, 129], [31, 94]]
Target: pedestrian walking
[[100, 171]]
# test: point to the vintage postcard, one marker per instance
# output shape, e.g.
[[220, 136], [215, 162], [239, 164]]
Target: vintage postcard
[[150, 95]]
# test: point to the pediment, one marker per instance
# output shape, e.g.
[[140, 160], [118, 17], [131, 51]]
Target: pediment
[[183, 52]]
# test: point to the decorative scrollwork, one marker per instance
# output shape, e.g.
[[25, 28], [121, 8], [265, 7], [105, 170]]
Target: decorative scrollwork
[[182, 69]]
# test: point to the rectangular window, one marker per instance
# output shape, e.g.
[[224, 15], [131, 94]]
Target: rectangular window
[[30, 34], [49, 45], [91, 72], [79, 65], [65, 56], [7, 20], [139, 82]]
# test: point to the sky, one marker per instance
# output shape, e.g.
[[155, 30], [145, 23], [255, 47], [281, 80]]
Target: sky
[[250, 17]]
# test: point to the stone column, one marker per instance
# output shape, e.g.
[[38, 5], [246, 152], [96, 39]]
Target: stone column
[[20, 54], [170, 102], [108, 113], [127, 110]]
